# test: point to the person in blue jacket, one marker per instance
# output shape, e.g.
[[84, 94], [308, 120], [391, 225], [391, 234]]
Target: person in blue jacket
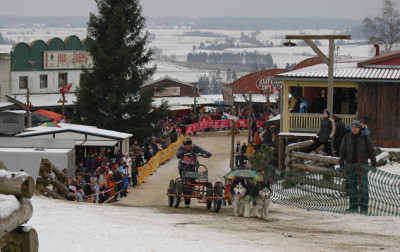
[[303, 105]]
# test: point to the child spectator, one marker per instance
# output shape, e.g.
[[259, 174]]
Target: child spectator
[[104, 195]]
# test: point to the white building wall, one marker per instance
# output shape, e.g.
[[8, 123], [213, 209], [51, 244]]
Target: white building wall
[[73, 76], [5, 68]]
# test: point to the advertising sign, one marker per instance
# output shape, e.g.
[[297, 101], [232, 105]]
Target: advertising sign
[[169, 91], [66, 60]]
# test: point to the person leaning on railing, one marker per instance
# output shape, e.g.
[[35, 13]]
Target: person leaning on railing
[[355, 149], [324, 135]]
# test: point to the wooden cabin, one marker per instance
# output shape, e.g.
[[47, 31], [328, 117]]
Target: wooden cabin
[[366, 90]]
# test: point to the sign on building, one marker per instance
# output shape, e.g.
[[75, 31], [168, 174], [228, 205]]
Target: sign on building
[[169, 91], [66, 60], [266, 86]]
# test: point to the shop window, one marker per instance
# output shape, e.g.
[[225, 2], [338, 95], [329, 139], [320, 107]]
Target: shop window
[[23, 82], [62, 80], [43, 81]]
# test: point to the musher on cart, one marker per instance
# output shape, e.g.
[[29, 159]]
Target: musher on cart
[[189, 160]]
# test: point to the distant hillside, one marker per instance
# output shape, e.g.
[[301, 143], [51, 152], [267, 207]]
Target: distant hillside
[[256, 23], [75, 22], [221, 23]]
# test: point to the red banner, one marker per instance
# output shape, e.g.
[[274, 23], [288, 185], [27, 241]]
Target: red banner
[[214, 124]]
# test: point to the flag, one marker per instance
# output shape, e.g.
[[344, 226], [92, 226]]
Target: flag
[[244, 96], [65, 90]]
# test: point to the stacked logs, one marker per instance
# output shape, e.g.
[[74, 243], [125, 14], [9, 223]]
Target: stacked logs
[[16, 188], [59, 181]]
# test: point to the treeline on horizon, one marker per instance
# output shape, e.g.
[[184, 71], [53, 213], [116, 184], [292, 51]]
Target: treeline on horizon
[[255, 59]]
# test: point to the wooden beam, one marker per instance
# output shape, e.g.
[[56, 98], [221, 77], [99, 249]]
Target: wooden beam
[[18, 184], [318, 158], [16, 217], [345, 36], [20, 239], [317, 51]]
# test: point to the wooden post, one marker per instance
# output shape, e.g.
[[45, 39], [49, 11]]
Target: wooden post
[[194, 98], [330, 74], [249, 120], [16, 217], [233, 129], [20, 239]]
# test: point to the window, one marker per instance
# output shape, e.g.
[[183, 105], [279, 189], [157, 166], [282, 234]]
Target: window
[[43, 81], [23, 82], [62, 80]]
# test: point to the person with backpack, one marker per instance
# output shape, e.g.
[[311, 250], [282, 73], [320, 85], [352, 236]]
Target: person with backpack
[[356, 148], [340, 132]]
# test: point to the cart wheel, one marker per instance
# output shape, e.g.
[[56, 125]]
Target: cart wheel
[[209, 193], [177, 191], [218, 192], [171, 190]]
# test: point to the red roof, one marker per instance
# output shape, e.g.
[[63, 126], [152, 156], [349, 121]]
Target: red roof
[[55, 116], [248, 82], [390, 58]]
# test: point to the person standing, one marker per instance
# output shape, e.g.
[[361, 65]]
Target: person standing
[[340, 132], [356, 148], [324, 135]]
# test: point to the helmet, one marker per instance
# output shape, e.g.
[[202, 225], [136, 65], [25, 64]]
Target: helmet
[[187, 141]]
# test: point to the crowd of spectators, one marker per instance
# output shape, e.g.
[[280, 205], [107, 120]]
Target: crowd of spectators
[[106, 175]]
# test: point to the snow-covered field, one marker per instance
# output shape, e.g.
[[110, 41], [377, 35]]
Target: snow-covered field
[[176, 47], [143, 222]]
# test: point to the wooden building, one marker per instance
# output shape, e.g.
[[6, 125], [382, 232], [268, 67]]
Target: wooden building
[[366, 90], [172, 87]]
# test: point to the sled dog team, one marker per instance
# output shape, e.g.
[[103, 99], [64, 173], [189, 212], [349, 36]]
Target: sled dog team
[[249, 199]]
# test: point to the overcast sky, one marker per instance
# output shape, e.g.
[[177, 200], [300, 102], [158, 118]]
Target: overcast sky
[[352, 9]]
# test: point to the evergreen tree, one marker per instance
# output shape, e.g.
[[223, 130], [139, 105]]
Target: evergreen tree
[[108, 96]]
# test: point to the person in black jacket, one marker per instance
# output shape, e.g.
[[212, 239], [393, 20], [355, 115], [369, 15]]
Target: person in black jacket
[[340, 132], [189, 162], [324, 135], [91, 164], [355, 149]]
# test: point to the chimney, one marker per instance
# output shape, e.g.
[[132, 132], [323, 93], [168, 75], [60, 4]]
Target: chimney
[[376, 49]]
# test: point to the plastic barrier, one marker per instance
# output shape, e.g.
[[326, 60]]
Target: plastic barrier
[[152, 165]]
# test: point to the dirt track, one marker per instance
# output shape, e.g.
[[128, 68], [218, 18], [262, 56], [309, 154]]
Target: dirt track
[[289, 228]]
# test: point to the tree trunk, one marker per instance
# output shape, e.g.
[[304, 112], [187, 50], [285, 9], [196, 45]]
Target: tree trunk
[[17, 217], [48, 193], [296, 146], [316, 169], [18, 184], [318, 183], [20, 239], [49, 167], [318, 158], [61, 188]]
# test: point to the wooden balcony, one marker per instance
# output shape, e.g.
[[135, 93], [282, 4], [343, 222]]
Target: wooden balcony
[[310, 122]]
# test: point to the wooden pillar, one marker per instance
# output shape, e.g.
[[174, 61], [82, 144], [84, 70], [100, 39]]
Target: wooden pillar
[[330, 74]]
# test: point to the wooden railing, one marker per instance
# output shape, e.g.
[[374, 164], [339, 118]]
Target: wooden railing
[[310, 122]]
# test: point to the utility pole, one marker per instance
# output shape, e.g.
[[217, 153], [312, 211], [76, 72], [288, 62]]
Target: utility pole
[[328, 61], [233, 132], [250, 111], [28, 112], [194, 98]]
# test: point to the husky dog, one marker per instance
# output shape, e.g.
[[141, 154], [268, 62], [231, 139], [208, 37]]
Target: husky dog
[[261, 199], [241, 190]]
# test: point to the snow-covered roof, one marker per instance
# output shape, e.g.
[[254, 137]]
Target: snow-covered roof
[[344, 71], [4, 105], [255, 98], [68, 127], [275, 118], [167, 78], [186, 100], [44, 100]]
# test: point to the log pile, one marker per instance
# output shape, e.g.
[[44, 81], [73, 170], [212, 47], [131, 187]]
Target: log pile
[[54, 186], [15, 190]]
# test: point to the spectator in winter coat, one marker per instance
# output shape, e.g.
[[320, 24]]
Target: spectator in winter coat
[[134, 172], [257, 140], [112, 163], [102, 169], [325, 134], [249, 150], [253, 128], [95, 189], [91, 164], [356, 148], [340, 132], [103, 195], [79, 169], [303, 105]]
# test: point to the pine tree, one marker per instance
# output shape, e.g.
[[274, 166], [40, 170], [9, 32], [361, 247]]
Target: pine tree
[[109, 94]]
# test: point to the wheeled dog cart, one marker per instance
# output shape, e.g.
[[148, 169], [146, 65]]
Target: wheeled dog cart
[[194, 184]]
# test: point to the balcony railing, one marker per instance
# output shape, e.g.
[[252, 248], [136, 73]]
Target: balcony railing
[[310, 122]]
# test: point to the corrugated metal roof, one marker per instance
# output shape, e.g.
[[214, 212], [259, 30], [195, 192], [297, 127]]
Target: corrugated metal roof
[[348, 70]]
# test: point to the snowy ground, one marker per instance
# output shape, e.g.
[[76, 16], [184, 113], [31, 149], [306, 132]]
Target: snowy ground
[[143, 221]]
